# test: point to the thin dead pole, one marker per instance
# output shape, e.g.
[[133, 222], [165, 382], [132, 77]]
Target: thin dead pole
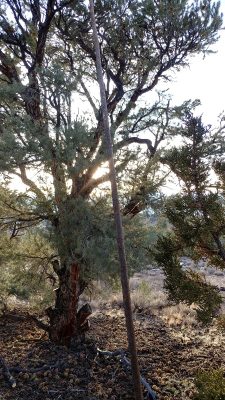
[[117, 216]]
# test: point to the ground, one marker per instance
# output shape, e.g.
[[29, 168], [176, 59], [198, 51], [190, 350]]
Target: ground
[[172, 348]]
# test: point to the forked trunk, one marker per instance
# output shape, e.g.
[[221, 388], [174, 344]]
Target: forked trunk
[[65, 322]]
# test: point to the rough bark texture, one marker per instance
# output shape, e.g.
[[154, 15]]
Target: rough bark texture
[[63, 318]]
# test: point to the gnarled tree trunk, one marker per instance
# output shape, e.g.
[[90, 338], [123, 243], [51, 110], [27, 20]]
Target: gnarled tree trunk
[[66, 322], [63, 323]]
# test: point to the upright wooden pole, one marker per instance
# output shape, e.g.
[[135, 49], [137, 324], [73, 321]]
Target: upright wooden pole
[[117, 215]]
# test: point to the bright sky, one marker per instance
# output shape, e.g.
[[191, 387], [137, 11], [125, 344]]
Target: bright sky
[[205, 80]]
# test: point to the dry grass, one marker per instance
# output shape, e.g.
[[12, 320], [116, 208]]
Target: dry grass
[[149, 297]]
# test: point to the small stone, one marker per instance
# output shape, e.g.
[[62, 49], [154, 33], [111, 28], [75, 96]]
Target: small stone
[[155, 388]]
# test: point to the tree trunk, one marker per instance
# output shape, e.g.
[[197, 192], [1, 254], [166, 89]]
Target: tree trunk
[[63, 320], [66, 322]]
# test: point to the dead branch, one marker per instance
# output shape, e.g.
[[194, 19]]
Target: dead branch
[[38, 369], [70, 390], [127, 364], [6, 372]]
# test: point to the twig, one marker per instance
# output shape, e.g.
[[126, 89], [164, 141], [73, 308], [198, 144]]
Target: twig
[[111, 353], [71, 390], [127, 364], [6, 372], [38, 369]]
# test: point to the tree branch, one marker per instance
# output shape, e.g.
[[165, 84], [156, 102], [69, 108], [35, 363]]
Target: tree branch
[[91, 101], [8, 68], [92, 183], [138, 140], [28, 182]]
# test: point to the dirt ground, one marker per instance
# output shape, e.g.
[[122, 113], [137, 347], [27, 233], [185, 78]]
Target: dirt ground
[[172, 349], [169, 359]]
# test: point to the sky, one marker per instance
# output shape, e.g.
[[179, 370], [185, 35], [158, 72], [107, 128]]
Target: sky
[[204, 79]]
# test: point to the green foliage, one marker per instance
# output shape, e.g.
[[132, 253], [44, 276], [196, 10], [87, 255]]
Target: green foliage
[[90, 233], [186, 286], [114, 283], [196, 215], [210, 385], [144, 289], [5, 285], [25, 257], [25, 250]]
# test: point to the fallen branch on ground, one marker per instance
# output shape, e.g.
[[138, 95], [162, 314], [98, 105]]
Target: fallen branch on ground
[[38, 369], [6, 372], [69, 389], [126, 363]]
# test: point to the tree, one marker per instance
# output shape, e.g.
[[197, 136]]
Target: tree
[[46, 57], [196, 214]]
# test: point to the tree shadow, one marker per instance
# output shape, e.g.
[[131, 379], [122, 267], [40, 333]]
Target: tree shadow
[[44, 370]]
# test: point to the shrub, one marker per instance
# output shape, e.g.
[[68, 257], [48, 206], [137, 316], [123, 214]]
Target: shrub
[[210, 385]]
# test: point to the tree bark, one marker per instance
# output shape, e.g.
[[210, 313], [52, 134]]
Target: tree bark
[[66, 322], [117, 216]]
